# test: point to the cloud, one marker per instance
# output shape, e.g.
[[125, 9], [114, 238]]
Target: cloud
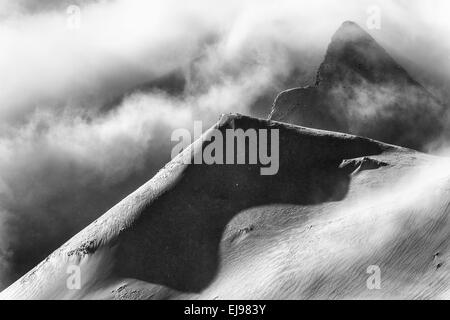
[[86, 113]]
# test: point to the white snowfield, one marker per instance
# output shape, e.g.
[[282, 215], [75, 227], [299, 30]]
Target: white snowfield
[[324, 227]]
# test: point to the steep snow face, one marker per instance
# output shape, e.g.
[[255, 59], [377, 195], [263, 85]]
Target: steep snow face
[[340, 205], [361, 90]]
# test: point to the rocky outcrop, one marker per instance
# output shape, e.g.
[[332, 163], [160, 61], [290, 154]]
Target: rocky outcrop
[[361, 90]]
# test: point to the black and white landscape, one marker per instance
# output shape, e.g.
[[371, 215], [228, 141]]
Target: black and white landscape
[[225, 149]]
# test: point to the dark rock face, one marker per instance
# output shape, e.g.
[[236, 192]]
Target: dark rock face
[[361, 90], [353, 54]]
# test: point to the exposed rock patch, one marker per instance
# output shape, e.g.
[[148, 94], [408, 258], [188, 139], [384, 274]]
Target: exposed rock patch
[[354, 166]]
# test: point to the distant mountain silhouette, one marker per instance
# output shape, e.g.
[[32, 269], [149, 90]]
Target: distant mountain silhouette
[[361, 90]]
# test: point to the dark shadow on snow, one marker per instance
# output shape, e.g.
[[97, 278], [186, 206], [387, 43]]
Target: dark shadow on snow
[[175, 241]]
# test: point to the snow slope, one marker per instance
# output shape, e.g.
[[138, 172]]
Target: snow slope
[[338, 205]]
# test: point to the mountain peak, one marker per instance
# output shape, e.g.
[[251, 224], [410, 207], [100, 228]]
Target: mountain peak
[[354, 54], [360, 89], [350, 30]]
